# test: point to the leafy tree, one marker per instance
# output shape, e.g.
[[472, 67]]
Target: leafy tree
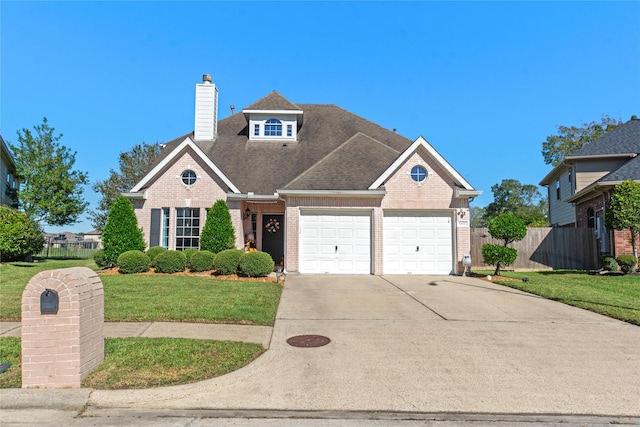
[[132, 166], [51, 190], [19, 236], [570, 139], [524, 201], [623, 210], [508, 228], [121, 232], [218, 233]]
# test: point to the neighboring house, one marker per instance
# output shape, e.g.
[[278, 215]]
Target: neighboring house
[[94, 236], [9, 183], [320, 189], [581, 185]]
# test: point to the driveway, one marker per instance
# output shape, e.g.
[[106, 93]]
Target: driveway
[[422, 344]]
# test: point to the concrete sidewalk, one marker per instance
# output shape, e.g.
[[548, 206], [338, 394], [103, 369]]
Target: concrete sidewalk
[[243, 333], [408, 344]]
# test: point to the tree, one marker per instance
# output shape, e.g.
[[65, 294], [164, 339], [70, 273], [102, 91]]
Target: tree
[[623, 210], [523, 201], [19, 236], [51, 190], [508, 228], [476, 214], [133, 165], [218, 233], [121, 232], [570, 139]]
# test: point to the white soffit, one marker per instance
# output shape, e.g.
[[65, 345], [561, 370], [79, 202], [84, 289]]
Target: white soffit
[[432, 152], [187, 143]]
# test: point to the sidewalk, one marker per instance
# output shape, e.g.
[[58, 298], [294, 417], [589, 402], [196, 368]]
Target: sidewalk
[[243, 333]]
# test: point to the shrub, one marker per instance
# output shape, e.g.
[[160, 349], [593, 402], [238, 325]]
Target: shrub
[[627, 263], [227, 261], [256, 264], [218, 233], [188, 253], [498, 255], [170, 262], [134, 262], [99, 259], [609, 263], [121, 232], [19, 236], [507, 227], [201, 261], [154, 251]]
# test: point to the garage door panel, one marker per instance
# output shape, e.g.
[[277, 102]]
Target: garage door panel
[[417, 243], [349, 233]]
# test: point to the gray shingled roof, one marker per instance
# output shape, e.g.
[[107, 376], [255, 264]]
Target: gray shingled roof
[[630, 170], [623, 139], [335, 150]]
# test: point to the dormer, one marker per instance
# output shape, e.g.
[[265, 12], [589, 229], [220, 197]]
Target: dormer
[[273, 118]]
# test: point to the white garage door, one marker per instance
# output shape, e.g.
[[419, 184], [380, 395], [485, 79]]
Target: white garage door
[[417, 244], [335, 243]]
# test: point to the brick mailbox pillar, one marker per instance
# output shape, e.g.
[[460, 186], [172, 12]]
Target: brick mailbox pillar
[[62, 328]]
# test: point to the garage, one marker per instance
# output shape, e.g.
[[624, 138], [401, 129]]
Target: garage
[[336, 243], [417, 243]]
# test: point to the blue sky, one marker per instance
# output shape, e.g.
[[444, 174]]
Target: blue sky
[[484, 82]]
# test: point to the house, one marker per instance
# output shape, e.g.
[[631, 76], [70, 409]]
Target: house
[[581, 185], [8, 176], [320, 189], [95, 237]]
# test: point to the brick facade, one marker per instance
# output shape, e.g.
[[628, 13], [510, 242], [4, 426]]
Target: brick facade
[[59, 350]]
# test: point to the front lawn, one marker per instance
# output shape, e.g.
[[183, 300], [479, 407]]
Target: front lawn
[[156, 297], [613, 296]]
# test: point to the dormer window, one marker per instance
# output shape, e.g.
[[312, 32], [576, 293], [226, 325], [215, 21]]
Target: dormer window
[[273, 127]]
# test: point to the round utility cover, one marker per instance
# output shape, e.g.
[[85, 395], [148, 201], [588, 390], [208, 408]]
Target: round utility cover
[[308, 341]]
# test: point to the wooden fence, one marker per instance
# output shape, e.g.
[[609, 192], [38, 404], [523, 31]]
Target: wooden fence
[[544, 249]]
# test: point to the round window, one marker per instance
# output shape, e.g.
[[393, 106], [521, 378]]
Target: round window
[[418, 173], [189, 177]]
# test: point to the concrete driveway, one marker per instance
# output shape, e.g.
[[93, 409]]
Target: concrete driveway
[[422, 344]]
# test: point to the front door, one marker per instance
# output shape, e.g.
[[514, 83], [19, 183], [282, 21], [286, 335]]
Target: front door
[[273, 237]]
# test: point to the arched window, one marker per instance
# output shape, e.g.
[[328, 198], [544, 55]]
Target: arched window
[[273, 127], [591, 218]]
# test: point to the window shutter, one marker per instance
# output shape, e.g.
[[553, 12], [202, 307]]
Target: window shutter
[[156, 223]]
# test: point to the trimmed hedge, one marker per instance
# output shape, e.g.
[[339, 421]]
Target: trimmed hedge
[[154, 251], [133, 262], [609, 263], [227, 261], [189, 253], [627, 262], [256, 264], [201, 261], [170, 262]]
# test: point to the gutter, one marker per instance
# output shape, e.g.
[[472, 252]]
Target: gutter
[[333, 193]]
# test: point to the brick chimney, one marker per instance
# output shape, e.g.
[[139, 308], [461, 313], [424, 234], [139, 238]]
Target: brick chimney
[[206, 116]]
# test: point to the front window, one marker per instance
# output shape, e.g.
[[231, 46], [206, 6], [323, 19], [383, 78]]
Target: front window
[[591, 218], [165, 227], [256, 129], [418, 173], [557, 189], [273, 127], [187, 228]]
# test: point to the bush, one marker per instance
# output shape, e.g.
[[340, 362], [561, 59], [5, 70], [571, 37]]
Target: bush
[[121, 232], [218, 233], [99, 259], [19, 236], [627, 263], [227, 261], [256, 264], [201, 261], [498, 255], [507, 227], [609, 263], [170, 262], [154, 251], [188, 253], [134, 262]]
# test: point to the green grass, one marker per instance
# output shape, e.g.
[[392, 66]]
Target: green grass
[[156, 297], [14, 277], [148, 362], [613, 296]]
